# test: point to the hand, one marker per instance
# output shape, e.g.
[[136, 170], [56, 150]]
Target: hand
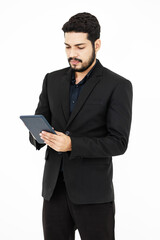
[[59, 141]]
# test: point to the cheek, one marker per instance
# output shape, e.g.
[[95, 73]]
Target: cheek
[[67, 52], [86, 54]]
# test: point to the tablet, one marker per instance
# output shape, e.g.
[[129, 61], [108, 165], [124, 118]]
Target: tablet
[[36, 124]]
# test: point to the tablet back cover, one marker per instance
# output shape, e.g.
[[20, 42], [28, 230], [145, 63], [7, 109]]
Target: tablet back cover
[[36, 124]]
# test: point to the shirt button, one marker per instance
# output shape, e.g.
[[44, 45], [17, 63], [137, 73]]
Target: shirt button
[[73, 101]]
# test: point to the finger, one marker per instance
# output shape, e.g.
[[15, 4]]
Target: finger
[[45, 138], [48, 142], [52, 145], [47, 135], [58, 133]]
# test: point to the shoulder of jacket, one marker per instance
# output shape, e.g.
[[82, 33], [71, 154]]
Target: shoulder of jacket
[[58, 72], [55, 76], [114, 77]]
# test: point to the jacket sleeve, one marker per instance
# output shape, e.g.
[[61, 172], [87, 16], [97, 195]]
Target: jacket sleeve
[[42, 109], [118, 122], [33, 141]]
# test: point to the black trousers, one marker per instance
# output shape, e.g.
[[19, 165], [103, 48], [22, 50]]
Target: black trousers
[[61, 217]]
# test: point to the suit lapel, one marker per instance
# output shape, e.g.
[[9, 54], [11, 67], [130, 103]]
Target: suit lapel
[[65, 91], [85, 92]]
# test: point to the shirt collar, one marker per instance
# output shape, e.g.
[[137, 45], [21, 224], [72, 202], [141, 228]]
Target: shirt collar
[[73, 81]]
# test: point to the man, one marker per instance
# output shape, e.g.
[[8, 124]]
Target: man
[[89, 107]]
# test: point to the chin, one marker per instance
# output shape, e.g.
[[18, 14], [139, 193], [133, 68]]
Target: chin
[[77, 69]]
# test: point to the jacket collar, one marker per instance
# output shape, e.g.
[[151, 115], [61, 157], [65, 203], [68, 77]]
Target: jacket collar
[[86, 91]]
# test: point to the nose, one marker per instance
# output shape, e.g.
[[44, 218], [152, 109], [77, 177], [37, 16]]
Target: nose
[[72, 53]]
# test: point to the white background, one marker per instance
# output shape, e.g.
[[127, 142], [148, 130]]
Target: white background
[[32, 44]]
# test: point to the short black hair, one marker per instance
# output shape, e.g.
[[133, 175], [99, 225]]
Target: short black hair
[[84, 22]]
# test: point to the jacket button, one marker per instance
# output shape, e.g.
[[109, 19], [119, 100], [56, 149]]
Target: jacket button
[[67, 133]]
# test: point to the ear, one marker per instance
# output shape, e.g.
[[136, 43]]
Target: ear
[[97, 45]]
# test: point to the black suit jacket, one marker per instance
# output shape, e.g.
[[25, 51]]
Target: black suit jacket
[[99, 128]]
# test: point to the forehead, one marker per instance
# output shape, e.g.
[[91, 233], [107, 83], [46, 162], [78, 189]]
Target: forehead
[[73, 38]]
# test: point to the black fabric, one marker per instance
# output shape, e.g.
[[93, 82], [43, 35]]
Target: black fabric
[[75, 89], [98, 126], [61, 217]]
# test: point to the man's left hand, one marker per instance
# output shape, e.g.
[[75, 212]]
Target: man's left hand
[[59, 141]]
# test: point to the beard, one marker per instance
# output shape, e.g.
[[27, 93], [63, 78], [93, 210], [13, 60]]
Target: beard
[[84, 66]]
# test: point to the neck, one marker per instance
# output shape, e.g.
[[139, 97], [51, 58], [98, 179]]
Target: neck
[[80, 75]]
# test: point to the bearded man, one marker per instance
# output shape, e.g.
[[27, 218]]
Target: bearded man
[[89, 106]]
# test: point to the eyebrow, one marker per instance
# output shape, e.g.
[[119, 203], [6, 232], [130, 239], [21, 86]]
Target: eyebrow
[[79, 44]]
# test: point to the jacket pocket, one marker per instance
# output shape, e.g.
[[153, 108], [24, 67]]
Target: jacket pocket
[[96, 161], [94, 103]]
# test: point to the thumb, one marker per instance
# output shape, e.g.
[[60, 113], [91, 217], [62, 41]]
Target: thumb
[[58, 133]]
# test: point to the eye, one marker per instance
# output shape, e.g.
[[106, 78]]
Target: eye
[[80, 48]]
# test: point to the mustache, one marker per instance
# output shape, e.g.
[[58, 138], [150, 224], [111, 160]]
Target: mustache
[[77, 59]]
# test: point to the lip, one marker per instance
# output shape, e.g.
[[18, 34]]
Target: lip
[[74, 62]]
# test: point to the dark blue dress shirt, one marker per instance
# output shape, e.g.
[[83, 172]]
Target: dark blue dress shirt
[[75, 89]]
